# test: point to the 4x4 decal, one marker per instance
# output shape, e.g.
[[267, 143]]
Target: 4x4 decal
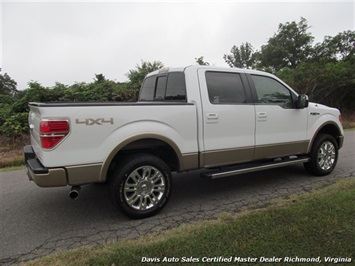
[[93, 121]]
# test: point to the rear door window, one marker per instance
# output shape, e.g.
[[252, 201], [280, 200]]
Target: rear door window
[[225, 88], [176, 88]]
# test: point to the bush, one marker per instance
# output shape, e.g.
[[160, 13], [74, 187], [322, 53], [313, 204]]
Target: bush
[[14, 109], [15, 125]]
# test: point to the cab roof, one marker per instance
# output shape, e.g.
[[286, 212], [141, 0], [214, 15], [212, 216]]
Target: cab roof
[[212, 68]]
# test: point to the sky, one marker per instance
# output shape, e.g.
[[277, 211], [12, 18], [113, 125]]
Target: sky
[[68, 42]]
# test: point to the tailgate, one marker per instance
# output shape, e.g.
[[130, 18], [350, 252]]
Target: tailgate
[[34, 119]]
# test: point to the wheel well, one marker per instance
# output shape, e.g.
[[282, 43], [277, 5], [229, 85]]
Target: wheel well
[[155, 147], [331, 130]]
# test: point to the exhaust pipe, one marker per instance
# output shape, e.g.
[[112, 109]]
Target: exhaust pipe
[[74, 192]]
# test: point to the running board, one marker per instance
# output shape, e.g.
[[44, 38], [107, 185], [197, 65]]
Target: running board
[[248, 168]]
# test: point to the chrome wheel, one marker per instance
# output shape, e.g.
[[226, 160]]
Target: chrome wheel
[[144, 188], [140, 186], [323, 156], [326, 155]]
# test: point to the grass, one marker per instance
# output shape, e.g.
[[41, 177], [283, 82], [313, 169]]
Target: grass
[[11, 151], [317, 224], [10, 156], [10, 159], [12, 168]]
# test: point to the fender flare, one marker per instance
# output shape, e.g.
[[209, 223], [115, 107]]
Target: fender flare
[[339, 137], [124, 143]]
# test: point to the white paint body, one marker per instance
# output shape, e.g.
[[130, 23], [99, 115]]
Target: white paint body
[[195, 127]]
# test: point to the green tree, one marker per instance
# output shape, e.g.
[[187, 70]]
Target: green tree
[[340, 47], [330, 83], [7, 85], [99, 78], [328, 76], [291, 45], [15, 119], [136, 76], [241, 57], [34, 93], [201, 61]]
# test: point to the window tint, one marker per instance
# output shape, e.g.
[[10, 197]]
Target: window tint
[[160, 88], [148, 88], [175, 89], [225, 88], [160, 91], [270, 91]]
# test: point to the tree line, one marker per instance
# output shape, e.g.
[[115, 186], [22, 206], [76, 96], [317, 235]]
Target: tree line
[[14, 103], [324, 71]]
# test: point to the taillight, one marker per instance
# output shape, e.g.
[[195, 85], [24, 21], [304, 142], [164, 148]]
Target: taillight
[[52, 132], [54, 126]]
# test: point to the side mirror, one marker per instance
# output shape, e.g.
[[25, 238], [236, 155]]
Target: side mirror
[[302, 101]]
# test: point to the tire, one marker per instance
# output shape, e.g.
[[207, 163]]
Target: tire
[[323, 156], [141, 186]]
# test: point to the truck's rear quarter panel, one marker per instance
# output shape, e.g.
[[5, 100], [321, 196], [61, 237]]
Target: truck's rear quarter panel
[[92, 136]]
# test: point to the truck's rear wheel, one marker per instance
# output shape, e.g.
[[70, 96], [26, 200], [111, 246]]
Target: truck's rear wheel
[[141, 185], [323, 156]]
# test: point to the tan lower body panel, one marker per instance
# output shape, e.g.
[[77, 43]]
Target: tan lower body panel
[[84, 174], [54, 178], [280, 149], [90, 173], [189, 161], [226, 157], [233, 156]]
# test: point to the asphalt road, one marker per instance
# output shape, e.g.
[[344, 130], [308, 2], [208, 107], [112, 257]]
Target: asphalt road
[[39, 221]]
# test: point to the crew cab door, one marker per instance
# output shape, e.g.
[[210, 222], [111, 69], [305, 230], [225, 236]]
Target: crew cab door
[[280, 127], [228, 118]]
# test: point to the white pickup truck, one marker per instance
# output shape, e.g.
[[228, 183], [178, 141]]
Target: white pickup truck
[[228, 120]]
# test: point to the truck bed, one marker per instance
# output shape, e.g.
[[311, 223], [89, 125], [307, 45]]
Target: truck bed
[[83, 104]]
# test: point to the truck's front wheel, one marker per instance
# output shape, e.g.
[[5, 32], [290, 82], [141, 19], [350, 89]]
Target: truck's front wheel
[[141, 185], [323, 156]]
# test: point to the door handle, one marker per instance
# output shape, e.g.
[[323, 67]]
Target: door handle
[[212, 118], [262, 115]]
